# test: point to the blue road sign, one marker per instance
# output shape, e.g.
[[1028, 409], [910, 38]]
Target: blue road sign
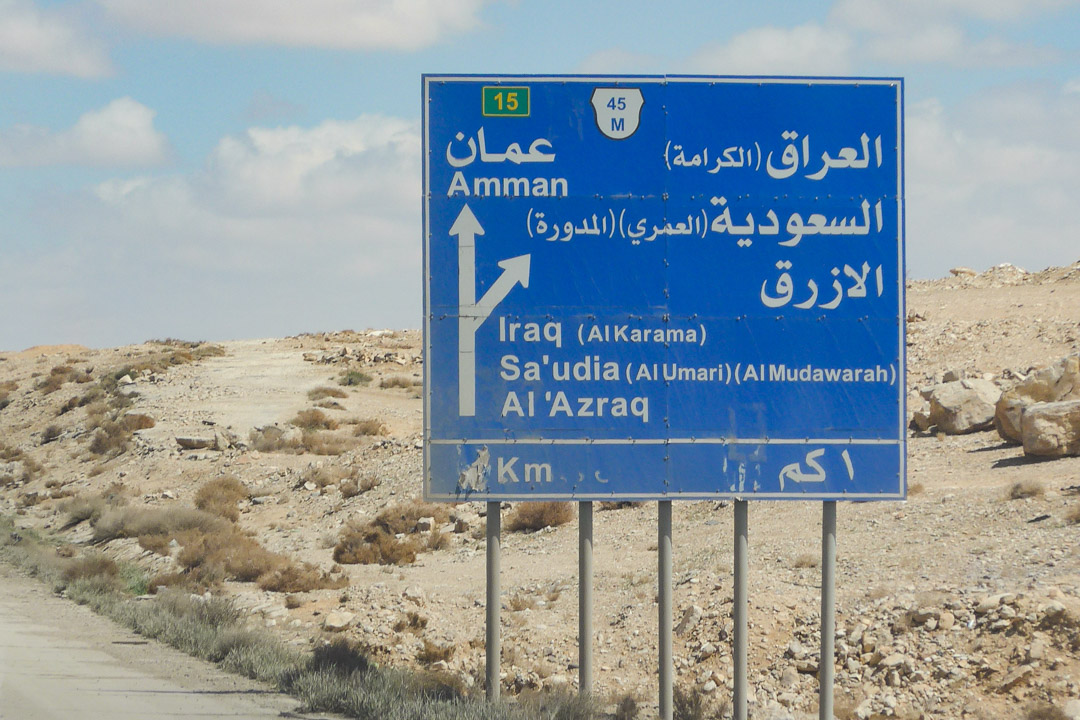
[[663, 288]]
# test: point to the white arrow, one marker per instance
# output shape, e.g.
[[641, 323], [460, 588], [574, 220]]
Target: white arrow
[[515, 270], [472, 314]]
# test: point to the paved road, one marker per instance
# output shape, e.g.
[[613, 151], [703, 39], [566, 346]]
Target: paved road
[[58, 661]]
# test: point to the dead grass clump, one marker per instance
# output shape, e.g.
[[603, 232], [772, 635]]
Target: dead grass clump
[[806, 560], [90, 566], [367, 427], [295, 578], [397, 381], [437, 540], [531, 516], [329, 405], [915, 488], [314, 420], [220, 496], [323, 392], [433, 653], [1026, 489], [1073, 516]]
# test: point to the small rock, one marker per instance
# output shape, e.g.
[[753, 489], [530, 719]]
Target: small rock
[[338, 621], [691, 617], [790, 677], [946, 620], [1036, 651], [415, 593], [709, 687]]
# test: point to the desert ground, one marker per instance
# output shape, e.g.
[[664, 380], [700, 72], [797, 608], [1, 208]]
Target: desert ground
[[961, 602]]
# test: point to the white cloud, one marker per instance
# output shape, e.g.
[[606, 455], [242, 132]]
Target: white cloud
[[804, 50], [350, 24], [120, 134], [282, 230], [47, 41], [934, 31], [991, 181]]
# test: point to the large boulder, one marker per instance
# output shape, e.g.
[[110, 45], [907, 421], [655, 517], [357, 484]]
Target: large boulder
[[1060, 381], [1052, 428], [963, 406]]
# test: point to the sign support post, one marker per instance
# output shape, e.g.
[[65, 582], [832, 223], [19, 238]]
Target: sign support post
[[664, 561], [742, 566], [494, 602], [828, 609], [585, 597]]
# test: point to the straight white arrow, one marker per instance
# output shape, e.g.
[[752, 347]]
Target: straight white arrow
[[472, 314]]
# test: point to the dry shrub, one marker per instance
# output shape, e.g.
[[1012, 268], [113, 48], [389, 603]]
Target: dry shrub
[[220, 496], [619, 505], [1026, 489], [292, 602], [234, 554], [626, 708], [137, 421], [50, 434], [90, 566], [403, 517], [314, 420], [358, 485], [56, 379], [412, 622], [370, 546], [1073, 516], [529, 516], [136, 522], [806, 560], [295, 578], [110, 438], [323, 475], [521, 601], [274, 439], [396, 381], [367, 427], [322, 392], [433, 653], [329, 405], [1044, 711], [437, 540], [915, 488], [354, 377], [323, 443]]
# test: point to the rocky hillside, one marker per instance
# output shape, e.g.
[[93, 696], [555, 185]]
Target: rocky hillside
[[285, 474]]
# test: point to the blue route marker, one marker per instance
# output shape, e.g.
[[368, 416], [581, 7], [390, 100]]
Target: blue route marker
[[663, 287]]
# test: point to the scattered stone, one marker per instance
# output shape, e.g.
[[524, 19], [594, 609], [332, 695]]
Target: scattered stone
[[415, 593], [1054, 383], [691, 617], [425, 524], [196, 442], [963, 406], [1051, 429], [338, 621]]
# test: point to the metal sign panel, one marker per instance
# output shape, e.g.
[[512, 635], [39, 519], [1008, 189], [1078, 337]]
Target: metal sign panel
[[663, 288]]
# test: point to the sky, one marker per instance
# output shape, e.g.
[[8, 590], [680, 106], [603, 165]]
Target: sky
[[226, 169]]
